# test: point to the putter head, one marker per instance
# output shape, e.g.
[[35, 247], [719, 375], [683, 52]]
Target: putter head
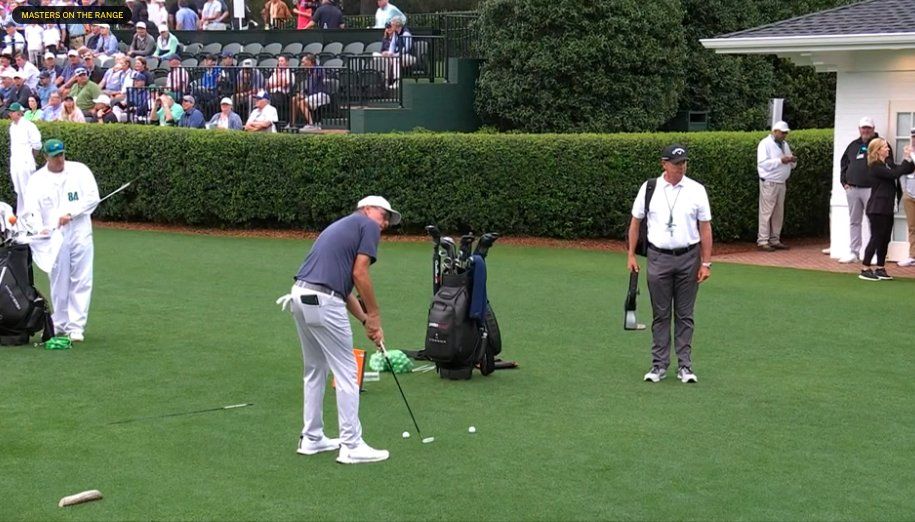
[[427, 440]]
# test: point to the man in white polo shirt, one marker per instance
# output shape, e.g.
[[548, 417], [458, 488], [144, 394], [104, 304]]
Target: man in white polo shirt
[[679, 258], [263, 118], [774, 163]]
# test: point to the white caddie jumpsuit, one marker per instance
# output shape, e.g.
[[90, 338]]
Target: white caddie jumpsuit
[[24, 138], [49, 196]]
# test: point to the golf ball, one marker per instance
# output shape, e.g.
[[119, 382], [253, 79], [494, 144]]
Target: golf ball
[[471, 430], [406, 434]]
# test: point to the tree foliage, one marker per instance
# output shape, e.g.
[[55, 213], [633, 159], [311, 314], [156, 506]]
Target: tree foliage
[[567, 66]]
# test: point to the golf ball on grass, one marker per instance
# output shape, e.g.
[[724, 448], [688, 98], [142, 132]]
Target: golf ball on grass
[[406, 434], [471, 429]]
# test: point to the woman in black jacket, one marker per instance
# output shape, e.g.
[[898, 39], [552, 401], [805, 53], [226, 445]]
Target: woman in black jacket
[[880, 206]]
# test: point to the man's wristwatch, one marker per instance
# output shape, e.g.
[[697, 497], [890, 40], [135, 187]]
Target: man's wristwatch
[[706, 265]]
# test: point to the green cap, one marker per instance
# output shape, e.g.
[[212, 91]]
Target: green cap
[[15, 107], [53, 148]]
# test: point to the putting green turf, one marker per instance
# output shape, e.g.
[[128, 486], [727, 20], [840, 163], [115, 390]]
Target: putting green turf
[[804, 407]]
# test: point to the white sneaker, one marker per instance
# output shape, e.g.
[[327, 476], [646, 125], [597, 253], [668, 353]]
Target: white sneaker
[[361, 454], [655, 374], [850, 258], [77, 337], [307, 447], [685, 374], [826, 251], [906, 262]]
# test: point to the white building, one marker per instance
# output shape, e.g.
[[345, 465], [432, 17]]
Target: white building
[[871, 48]]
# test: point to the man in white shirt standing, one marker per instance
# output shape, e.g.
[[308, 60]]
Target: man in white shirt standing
[[386, 11], [264, 117], [679, 221], [25, 138], [774, 163], [62, 196]]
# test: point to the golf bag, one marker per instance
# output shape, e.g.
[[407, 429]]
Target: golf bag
[[23, 310], [455, 342]]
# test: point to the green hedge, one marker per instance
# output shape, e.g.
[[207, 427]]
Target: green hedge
[[541, 185]]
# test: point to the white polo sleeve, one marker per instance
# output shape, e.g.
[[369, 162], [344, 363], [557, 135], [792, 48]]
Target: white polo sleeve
[[703, 208], [638, 207]]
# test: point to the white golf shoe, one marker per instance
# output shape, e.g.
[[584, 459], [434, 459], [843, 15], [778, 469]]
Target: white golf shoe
[[655, 374], [308, 447], [361, 454], [906, 262], [77, 337], [849, 258], [686, 375]]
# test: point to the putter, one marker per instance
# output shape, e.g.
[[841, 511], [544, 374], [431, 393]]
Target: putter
[[384, 352], [630, 322], [466, 247]]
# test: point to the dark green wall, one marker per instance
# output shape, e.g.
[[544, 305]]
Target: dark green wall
[[432, 106]]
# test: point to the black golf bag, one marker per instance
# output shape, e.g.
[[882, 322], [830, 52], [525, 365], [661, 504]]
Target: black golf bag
[[23, 310], [455, 342]]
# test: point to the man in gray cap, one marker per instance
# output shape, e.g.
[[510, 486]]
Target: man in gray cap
[[679, 221], [192, 117], [339, 261]]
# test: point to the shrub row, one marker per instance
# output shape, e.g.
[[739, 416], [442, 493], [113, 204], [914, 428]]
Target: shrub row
[[564, 186]]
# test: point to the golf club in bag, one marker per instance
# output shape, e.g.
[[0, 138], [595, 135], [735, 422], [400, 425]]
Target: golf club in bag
[[23, 310], [461, 331]]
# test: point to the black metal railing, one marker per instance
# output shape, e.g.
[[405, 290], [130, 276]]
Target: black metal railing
[[461, 35], [415, 20], [299, 94]]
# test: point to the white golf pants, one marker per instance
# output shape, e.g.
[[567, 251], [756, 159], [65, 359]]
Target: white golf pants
[[21, 171], [327, 345], [71, 283]]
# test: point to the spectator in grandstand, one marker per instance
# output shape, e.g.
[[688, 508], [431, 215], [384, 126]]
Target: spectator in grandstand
[[50, 66], [168, 113], [140, 69], [51, 111], [91, 66], [328, 16], [186, 19], [139, 103], [34, 112], [71, 112], [206, 86], [280, 82], [92, 37], [192, 117], [226, 118], [6, 87], [166, 44], [276, 14], [28, 70], [33, 41], [74, 35], [20, 92], [263, 118], [102, 112], [138, 12], [310, 94], [158, 15], [303, 9], [6, 62], [385, 12], [177, 79], [84, 91], [249, 82], [13, 41], [45, 88], [113, 81], [212, 13], [396, 46], [106, 45], [66, 74], [51, 38], [142, 44], [227, 78]]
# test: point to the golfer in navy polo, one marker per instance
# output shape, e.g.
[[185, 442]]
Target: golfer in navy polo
[[339, 260]]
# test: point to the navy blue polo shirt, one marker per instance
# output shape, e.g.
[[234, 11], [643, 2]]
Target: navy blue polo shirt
[[330, 262]]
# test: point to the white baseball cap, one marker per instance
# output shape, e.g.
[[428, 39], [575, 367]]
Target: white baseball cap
[[866, 122], [380, 202], [141, 24], [226, 101], [49, 55], [102, 98], [781, 126]]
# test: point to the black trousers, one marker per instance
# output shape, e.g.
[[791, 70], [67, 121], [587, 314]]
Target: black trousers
[[881, 231]]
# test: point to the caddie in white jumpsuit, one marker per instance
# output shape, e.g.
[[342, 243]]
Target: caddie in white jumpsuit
[[339, 260], [25, 138], [62, 195]]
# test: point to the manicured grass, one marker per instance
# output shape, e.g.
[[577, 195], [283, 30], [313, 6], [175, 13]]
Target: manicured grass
[[803, 408]]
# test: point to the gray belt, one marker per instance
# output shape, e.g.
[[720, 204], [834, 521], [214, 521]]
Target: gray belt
[[319, 288]]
